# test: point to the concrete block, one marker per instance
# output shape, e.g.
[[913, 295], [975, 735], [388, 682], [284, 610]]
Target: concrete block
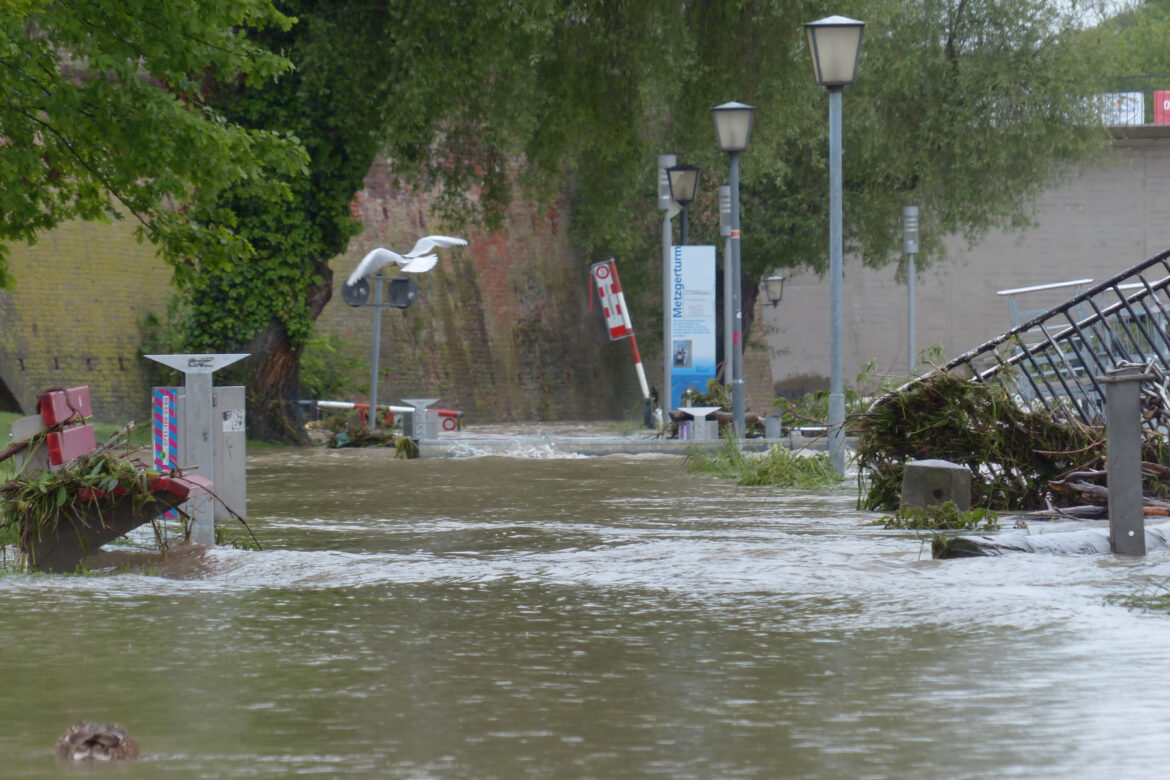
[[933, 482]]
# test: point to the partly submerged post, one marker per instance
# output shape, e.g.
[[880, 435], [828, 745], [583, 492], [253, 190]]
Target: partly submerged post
[[198, 438], [422, 424], [1123, 446]]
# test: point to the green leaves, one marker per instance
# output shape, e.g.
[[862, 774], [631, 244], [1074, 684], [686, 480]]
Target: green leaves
[[103, 117]]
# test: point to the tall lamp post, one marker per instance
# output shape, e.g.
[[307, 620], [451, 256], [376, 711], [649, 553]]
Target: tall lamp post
[[835, 44], [733, 128], [684, 183]]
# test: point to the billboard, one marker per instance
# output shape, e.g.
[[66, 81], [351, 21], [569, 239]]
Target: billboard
[[692, 319], [1124, 108]]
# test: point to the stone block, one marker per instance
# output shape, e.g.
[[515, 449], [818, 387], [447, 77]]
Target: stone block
[[933, 482]]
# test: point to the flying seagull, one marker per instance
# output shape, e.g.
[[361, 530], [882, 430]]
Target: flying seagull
[[416, 261]]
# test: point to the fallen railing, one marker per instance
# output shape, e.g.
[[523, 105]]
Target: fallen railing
[[1058, 358]]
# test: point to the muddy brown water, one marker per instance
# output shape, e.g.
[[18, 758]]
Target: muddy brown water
[[556, 617]]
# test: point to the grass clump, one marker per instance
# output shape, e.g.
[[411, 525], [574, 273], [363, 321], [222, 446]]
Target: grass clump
[[779, 467], [941, 517]]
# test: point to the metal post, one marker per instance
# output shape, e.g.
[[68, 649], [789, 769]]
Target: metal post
[[912, 358], [1123, 432], [375, 357], [665, 161], [682, 225], [198, 438], [836, 279], [200, 453], [737, 400], [728, 318], [910, 246]]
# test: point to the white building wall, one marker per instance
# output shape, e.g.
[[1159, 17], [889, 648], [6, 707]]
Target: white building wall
[[1093, 225]]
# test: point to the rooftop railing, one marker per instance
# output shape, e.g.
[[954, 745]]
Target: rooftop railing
[[1137, 100]]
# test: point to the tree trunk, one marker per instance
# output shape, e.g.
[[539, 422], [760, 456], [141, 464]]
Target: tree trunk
[[274, 373]]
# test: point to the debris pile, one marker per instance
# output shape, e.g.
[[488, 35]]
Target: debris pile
[[1021, 458]]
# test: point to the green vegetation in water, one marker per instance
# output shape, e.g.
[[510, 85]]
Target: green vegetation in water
[[1153, 597], [941, 517], [778, 467], [813, 408], [32, 505], [348, 430]]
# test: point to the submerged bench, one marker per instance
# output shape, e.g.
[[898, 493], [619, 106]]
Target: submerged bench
[[94, 515]]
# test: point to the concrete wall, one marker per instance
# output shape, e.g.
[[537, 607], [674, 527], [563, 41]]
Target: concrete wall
[[73, 317], [1094, 225]]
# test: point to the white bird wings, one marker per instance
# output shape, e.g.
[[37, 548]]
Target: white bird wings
[[372, 262], [426, 244], [418, 265], [416, 261]]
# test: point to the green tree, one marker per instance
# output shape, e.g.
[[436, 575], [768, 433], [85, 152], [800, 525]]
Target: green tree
[[966, 107], [102, 115], [456, 94]]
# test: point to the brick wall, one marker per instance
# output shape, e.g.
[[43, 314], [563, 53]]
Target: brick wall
[[73, 317], [501, 329]]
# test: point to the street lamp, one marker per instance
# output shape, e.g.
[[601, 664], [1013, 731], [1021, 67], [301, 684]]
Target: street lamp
[[733, 128], [835, 44], [684, 183], [774, 289]]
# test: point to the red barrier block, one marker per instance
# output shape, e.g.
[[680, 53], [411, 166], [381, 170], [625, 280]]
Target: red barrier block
[[57, 406], [78, 398], [183, 487], [71, 443]]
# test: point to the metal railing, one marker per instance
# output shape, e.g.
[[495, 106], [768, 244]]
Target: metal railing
[[1057, 359]]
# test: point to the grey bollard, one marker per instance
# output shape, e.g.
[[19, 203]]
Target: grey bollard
[[933, 482], [1123, 448], [772, 428]]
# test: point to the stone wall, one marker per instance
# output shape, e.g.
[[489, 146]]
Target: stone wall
[[501, 329], [73, 317]]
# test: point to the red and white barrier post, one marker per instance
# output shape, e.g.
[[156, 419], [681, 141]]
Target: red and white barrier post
[[617, 321]]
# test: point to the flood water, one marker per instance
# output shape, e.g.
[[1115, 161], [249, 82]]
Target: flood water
[[562, 617]]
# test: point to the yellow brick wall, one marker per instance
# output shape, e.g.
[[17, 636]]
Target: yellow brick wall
[[73, 317]]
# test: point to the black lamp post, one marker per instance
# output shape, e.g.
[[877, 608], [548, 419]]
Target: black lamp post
[[684, 183], [774, 289]]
